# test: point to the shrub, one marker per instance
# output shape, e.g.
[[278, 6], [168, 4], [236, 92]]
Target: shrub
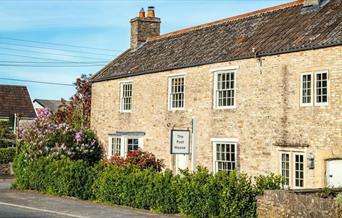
[[224, 195], [137, 188], [7, 155], [198, 194], [138, 158], [45, 138], [268, 182], [195, 197], [7, 138], [60, 177], [238, 198]]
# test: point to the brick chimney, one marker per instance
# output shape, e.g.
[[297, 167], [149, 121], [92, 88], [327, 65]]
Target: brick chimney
[[143, 27]]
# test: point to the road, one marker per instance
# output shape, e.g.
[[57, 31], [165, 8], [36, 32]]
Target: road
[[28, 204]]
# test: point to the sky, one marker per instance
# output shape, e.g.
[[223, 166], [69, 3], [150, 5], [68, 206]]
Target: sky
[[56, 32]]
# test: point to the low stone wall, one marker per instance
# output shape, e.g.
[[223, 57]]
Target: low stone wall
[[304, 203], [5, 169]]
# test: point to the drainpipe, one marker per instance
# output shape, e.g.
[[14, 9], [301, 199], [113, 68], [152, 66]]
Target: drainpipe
[[193, 144]]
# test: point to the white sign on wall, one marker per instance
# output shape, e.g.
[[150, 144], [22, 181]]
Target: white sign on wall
[[180, 141]]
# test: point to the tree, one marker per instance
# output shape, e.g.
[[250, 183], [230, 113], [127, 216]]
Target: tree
[[77, 112]]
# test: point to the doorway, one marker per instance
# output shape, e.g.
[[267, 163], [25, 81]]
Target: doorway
[[334, 173], [181, 162]]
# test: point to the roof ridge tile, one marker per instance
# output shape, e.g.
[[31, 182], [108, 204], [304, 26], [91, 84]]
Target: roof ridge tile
[[229, 19]]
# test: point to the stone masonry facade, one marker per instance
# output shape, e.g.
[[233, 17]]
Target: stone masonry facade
[[268, 117]]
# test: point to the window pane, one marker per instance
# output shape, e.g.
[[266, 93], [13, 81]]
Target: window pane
[[299, 170], [306, 89], [225, 156], [126, 100], [116, 146], [132, 144], [225, 89], [285, 167], [177, 92], [321, 87]]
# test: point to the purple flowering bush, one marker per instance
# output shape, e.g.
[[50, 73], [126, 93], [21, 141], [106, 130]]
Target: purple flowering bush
[[48, 138]]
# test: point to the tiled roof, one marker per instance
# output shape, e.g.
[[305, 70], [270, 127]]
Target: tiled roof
[[275, 30], [15, 99], [51, 104]]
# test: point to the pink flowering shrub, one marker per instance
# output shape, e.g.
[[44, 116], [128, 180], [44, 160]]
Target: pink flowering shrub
[[46, 137]]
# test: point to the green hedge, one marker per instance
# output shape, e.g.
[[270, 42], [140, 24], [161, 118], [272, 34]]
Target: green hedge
[[7, 155], [137, 188], [60, 177], [199, 194], [7, 138]]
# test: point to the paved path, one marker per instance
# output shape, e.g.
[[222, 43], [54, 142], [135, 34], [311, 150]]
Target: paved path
[[27, 204]]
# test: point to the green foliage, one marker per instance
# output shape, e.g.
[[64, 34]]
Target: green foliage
[[199, 194], [46, 138], [7, 155], [196, 197], [60, 177], [7, 138], [268, 182], [137, 188], [327, 192], [339, 199], [219, 195], [238, 197]]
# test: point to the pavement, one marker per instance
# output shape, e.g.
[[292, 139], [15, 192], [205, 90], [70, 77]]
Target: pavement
[[17, 204]]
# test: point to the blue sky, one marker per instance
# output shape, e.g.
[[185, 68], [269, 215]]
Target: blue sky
[[91, 23]]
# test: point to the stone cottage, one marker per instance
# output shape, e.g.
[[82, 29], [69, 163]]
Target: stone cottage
[[260, 92]]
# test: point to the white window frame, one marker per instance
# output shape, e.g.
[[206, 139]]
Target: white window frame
[[290, 163], [122, 110], [311, 87], [216, 141], [292, 167], [124, 144], [118, 139], [315, 88], [170, 78], [215, 96]]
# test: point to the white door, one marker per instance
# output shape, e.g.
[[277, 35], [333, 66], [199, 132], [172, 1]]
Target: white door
[[181, 162], [334, 173]]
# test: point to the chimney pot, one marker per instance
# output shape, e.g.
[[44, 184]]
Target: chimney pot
[[150, 12], [143, 28], [141, 13]]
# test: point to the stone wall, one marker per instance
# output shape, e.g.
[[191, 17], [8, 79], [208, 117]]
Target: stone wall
[[267, 112], [279, 204]]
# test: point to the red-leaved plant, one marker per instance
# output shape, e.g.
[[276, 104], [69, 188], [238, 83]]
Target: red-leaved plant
[[138, 158], [76, 112]]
